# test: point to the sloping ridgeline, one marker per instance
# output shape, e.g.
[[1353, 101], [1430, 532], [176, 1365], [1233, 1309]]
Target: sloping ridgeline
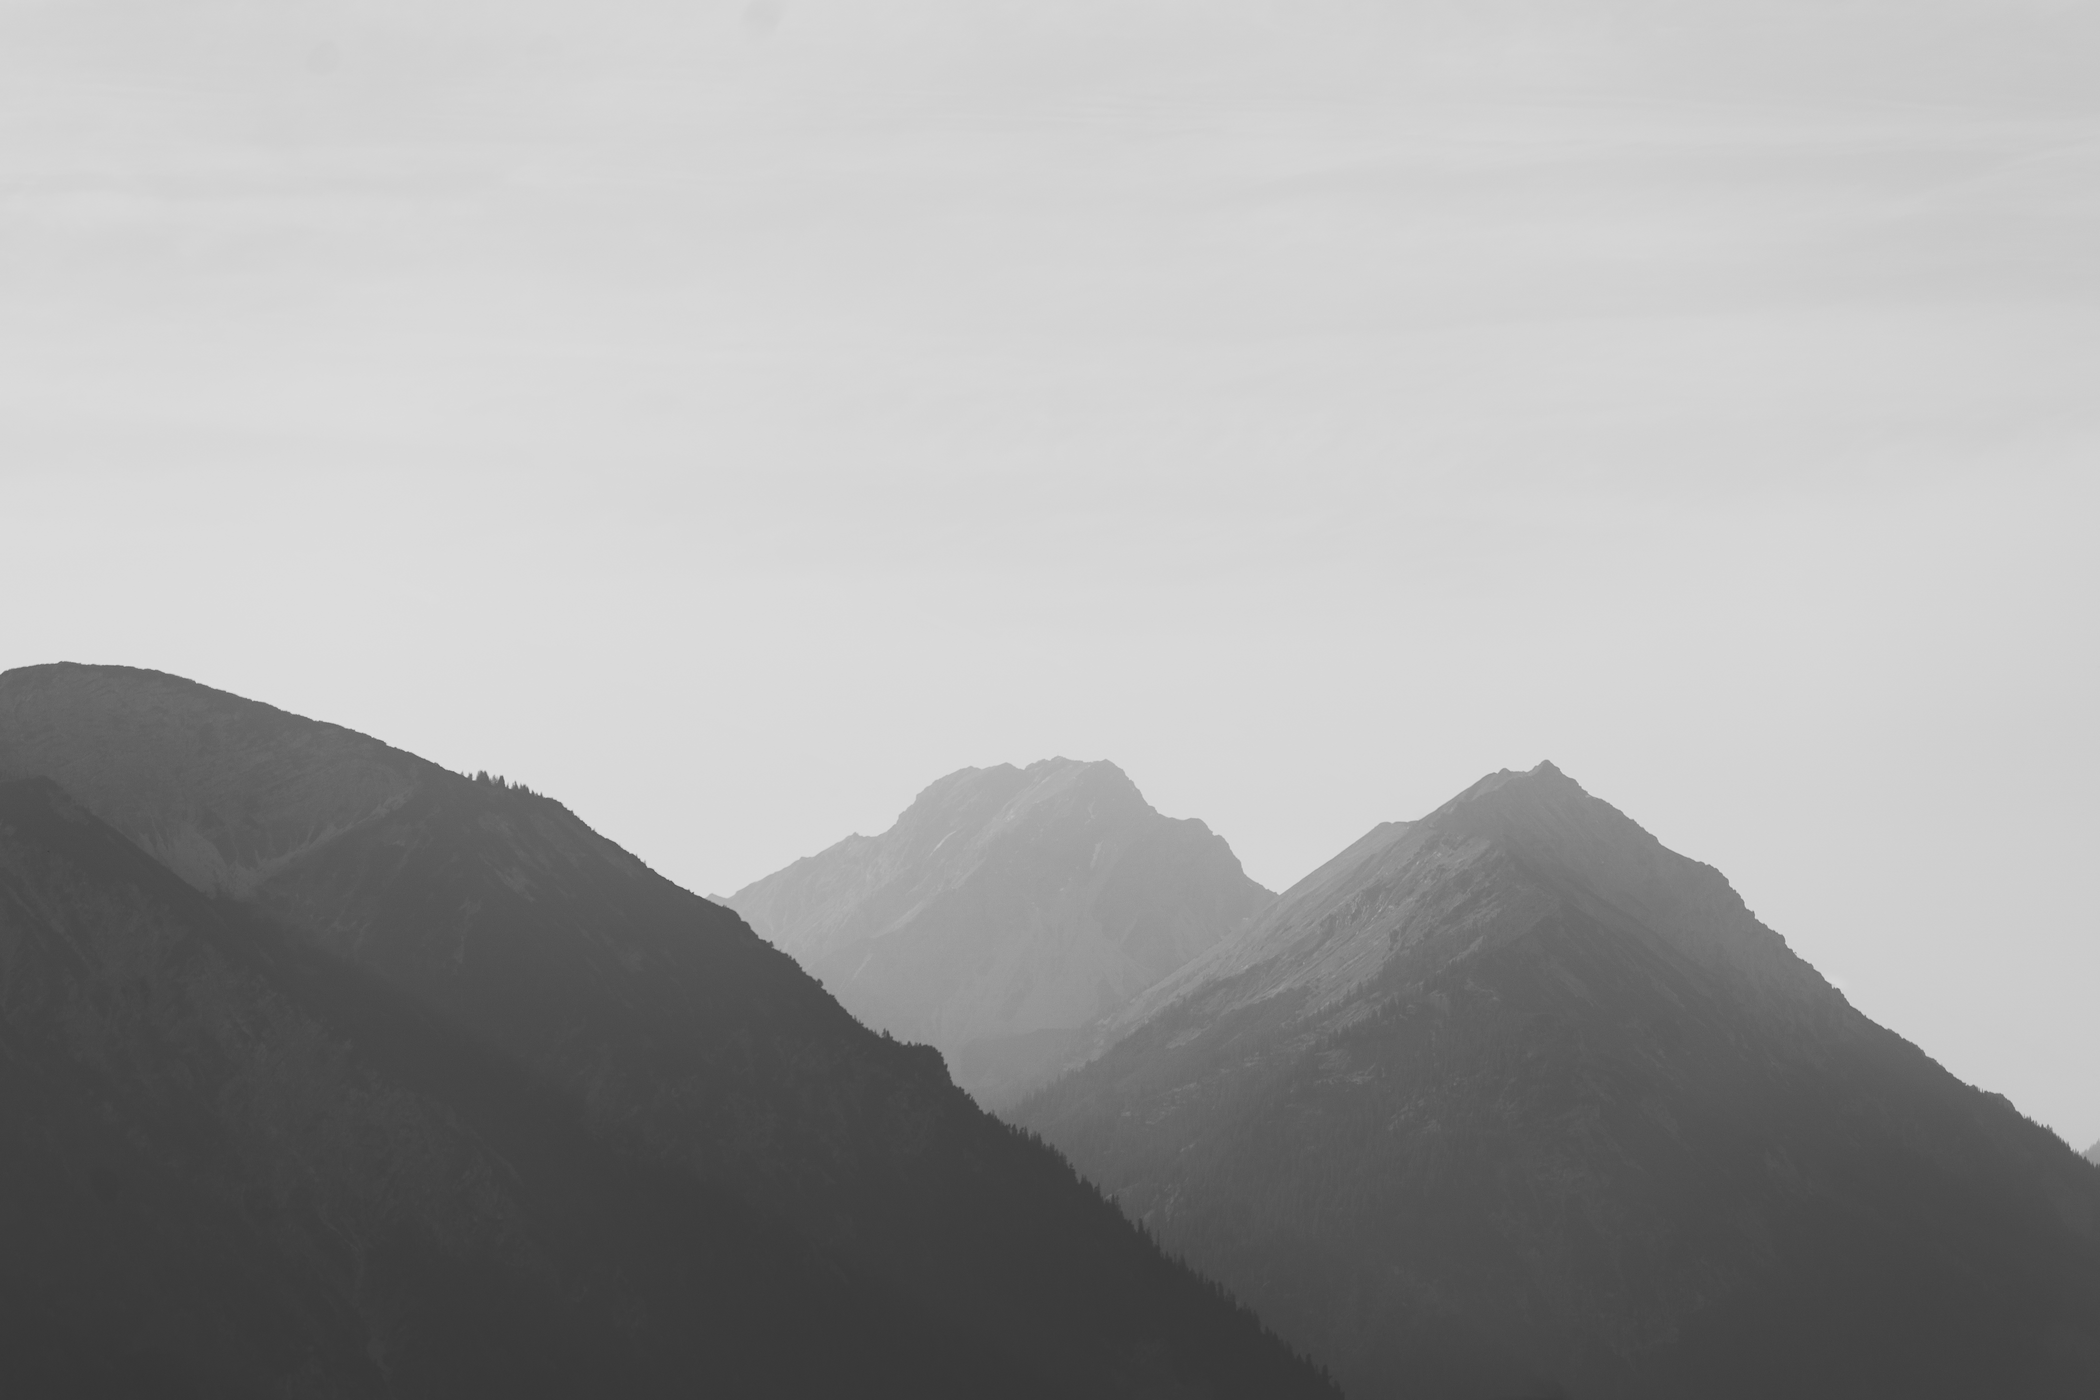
[[414, 1085], [1514, 1100], [1005, 913]]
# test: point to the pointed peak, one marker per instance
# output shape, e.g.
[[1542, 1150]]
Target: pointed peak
[[1545, 773], [1503, 795], [1546, 780], [1582, 845], [1541, 781]]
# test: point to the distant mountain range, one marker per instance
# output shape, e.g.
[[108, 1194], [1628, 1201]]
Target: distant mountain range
[[331, 1072], [1512, 1099], [1006, 912], [2092, 1154]]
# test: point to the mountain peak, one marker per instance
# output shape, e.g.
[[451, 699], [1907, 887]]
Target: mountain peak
[[1540, 779], [1095, 772], [1006, 909], [1056, 761], [1581, 847], [1543, 1099]]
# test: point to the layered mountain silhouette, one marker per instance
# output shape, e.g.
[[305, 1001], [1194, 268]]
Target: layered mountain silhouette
[[1005, 913], [328, 1072], [1513, 1100]]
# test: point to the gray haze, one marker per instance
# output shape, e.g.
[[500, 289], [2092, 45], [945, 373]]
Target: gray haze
[[729, 417], [1006, 911]]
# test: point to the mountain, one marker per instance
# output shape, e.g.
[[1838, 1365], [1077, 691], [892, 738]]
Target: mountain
[[1007, 910], [2092, 1154], [1512, 1099], [329, 1071], [231, 1166]]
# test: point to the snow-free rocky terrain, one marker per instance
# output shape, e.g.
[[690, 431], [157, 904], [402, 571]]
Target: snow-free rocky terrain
[[1004, 913], [1512, 1098]]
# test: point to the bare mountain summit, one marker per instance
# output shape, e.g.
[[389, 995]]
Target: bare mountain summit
[[1006, 910], [1513, 1099]]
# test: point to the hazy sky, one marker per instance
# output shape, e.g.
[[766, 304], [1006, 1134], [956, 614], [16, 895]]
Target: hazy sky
[[730, 418]]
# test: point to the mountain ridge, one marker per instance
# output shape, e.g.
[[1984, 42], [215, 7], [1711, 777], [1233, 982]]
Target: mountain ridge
[[1006, 911], [676, 1038], [1514, 1097], [292, 1170]]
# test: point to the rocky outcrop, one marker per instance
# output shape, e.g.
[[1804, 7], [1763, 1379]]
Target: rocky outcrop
[[1514, 1099], [1006, 912], [414, 1084]]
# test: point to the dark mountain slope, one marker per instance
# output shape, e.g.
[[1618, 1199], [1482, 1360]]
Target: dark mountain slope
[[1514, 1097], [1006, 910], [675, 1044], [232, 1164]]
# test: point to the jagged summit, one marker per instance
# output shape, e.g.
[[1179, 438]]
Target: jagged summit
[[1582, 847], [1510, 795], [955, 795], [1337, 929], [1514, 1099], [1005, 911], [1543, 776]]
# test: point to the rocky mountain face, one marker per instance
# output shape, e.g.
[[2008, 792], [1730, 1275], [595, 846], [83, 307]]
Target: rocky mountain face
[[1006, 912], [331, 1072], [1513, 1099]]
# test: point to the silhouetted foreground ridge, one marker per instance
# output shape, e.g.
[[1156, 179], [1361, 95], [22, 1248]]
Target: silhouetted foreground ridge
[[330, 1072], [1514, 1100]]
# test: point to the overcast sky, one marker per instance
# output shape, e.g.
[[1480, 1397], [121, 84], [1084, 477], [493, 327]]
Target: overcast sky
[[729, 418]]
